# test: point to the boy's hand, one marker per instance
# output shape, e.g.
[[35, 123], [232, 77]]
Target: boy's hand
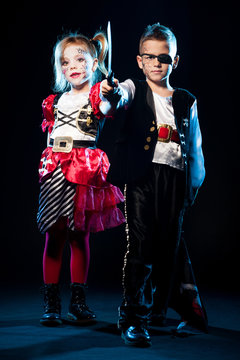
[[107, 90]]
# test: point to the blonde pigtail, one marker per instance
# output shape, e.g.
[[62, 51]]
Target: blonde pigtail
[[102, 50]]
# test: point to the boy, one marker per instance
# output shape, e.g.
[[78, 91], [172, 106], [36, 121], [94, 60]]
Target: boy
[[158, 156]]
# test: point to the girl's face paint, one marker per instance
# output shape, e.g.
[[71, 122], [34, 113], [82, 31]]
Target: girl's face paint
[[78, 66], [81, 51]]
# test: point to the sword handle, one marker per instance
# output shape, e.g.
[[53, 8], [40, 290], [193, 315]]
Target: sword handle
[[110, 79]]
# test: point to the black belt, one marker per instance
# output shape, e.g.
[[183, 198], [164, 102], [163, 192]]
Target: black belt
[[78, 143]]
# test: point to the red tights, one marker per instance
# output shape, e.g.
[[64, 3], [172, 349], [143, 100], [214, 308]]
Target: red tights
[[53, 251]]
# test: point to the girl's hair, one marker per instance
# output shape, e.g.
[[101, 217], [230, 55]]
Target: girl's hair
[[158, 32], [97, 47]]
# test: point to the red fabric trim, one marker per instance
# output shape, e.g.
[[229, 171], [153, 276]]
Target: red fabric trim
[[83, 166], [47, 107], [95, 100]]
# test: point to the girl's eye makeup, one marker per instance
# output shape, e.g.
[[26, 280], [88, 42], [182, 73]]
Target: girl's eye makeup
[[81, 59], [64, 63]]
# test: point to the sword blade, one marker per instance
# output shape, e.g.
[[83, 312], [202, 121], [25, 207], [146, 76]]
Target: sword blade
[[110, 76], [109, 37]]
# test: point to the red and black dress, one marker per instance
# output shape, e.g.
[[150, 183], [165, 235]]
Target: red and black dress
[[72, 171]]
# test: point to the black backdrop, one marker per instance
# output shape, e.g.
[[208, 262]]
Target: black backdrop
[[205, 33]]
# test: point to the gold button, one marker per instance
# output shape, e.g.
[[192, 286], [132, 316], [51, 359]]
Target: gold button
[[148, 139], [153, 122], [152, 128], [146, 147]]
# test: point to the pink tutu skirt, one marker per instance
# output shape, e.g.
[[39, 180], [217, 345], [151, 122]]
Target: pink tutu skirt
[[74, 185]]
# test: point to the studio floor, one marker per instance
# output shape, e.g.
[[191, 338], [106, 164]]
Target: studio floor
[[23, 338]]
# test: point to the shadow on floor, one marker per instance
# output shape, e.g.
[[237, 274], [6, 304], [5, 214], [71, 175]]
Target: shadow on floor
[[23, 338]]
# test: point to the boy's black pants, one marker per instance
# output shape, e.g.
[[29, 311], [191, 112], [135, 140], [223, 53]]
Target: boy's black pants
[[154, 218]]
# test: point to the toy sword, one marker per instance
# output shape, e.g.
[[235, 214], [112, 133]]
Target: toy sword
[[110, 76]]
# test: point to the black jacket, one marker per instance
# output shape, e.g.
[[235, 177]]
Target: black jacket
[[137, 137]]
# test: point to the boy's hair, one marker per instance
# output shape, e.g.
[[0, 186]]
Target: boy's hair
[[97, 48], [158, 32]]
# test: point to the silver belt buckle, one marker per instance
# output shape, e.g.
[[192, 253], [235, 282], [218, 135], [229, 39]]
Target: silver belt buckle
[[63, 144]]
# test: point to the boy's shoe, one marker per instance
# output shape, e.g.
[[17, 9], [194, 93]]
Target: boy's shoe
[[184, 329], [136, 336]]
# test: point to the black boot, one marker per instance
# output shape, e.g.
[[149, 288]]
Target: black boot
[[79, 312], [52, 306], [136, 335], [134, 326]]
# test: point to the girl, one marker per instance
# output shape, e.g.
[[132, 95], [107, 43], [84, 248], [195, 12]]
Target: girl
[[75, 198]]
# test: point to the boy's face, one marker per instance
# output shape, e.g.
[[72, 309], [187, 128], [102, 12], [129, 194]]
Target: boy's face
[[154, 70]]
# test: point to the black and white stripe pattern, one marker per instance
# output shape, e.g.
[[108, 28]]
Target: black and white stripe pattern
[[55, 200]]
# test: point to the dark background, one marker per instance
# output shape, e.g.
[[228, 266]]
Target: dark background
[[206, 45]]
